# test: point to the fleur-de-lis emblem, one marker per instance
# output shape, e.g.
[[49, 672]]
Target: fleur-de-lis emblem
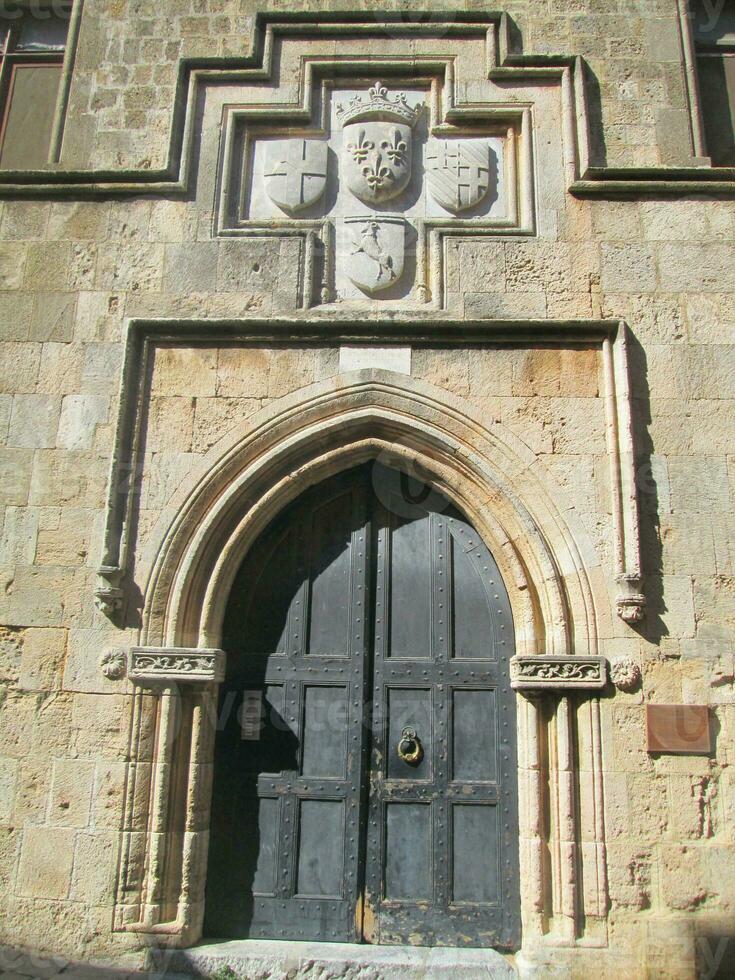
[[361, 149], [376, 176], [395, 150]]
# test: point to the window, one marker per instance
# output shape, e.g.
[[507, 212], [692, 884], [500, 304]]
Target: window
[[713, 27], [32, 44]]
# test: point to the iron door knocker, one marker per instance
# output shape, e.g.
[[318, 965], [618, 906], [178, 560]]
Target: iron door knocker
[[409, 747]]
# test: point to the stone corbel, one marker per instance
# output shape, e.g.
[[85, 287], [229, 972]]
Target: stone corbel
[[108, 595], [630, 601], [154, 666], [545, 672]]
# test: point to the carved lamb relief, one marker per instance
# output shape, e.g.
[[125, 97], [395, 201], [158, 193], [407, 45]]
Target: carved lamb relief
[[375, 189]]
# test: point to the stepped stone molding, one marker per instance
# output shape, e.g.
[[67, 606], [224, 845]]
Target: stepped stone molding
[[558, 673], [143, 335], [503, 61]]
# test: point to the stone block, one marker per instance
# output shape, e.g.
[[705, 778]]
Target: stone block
[[554, 372], [170, 422], [214, 417], [670, 948], [66, 477], [71, 793], [19, 365], [38, 596], [16, 313], [445, 369], [698, 268], [242, 372], [12, 264], [100, 726], [46, 862], [24, 220], [18, 539], [34, 420], [78, 220], [15, 475], [190, 267], [53, 317], [247, 266], [60, 371], [8, 779], [511, 306], [93, 875], [491, 372], [628, 268], [47, 266], [43, 659], [630, 874], [135, 266], [683, 877], [80, 416], [109, 794], [189, 371]]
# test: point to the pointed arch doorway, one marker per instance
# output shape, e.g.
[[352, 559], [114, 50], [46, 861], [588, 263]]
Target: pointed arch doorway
[[365, 763]]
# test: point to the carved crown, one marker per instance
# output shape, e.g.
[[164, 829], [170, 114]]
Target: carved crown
[[378, 105]]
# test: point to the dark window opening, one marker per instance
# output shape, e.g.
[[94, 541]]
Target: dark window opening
[[32, 44], [713, 28]]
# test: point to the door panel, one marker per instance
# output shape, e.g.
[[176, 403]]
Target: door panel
[[296, 638], [320, 849], [356, 622], [475, 872], [408, 852], [474, 736]]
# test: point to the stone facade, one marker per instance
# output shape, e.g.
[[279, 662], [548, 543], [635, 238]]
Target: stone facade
[[563, 370]]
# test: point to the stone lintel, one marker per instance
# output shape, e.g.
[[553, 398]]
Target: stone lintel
[[545, 672], [150, 666]]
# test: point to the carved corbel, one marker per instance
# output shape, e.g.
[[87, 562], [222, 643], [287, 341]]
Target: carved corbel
[[630, 602], [108, 595]]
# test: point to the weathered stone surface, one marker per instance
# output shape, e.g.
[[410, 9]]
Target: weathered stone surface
[[46, 862], [74, 272], [268, 960]]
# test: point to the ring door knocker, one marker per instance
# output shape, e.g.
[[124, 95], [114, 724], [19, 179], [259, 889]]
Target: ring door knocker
[[409, 747]]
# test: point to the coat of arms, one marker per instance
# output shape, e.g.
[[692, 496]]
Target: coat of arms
[[458, 173], [295, 172], [374, 248], [376, 144]]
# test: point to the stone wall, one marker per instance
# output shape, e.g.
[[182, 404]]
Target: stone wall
[[73, 272]]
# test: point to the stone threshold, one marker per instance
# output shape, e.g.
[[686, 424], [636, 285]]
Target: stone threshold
[[273, 959]]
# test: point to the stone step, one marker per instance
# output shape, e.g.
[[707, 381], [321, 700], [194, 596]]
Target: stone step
[[266, 959]]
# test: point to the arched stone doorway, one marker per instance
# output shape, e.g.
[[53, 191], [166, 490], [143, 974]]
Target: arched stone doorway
[[560, 606], [365, 784]]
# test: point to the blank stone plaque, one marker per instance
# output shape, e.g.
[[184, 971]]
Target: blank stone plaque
[[678, 728]]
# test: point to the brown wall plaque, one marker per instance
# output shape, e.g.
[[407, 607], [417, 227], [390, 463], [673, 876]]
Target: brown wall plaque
[[680, 728]]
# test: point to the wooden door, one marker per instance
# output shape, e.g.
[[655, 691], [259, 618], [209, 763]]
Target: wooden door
[[369, 619], [284, 848]]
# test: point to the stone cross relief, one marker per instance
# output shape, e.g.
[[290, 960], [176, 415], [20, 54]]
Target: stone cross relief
[[381, 179]]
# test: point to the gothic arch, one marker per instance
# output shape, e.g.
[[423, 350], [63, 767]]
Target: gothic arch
[[557, 591], [554, 579]]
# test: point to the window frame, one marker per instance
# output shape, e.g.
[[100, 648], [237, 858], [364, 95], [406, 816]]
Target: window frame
[[12, 57]]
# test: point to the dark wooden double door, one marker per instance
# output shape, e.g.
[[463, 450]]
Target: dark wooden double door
[[368, 619]]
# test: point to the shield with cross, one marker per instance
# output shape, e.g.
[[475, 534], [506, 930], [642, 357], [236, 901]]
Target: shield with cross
[[458, 173], [295, 173]]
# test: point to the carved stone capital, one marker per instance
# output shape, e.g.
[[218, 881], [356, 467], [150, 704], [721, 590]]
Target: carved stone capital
[[150, 666], [544, 672]]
